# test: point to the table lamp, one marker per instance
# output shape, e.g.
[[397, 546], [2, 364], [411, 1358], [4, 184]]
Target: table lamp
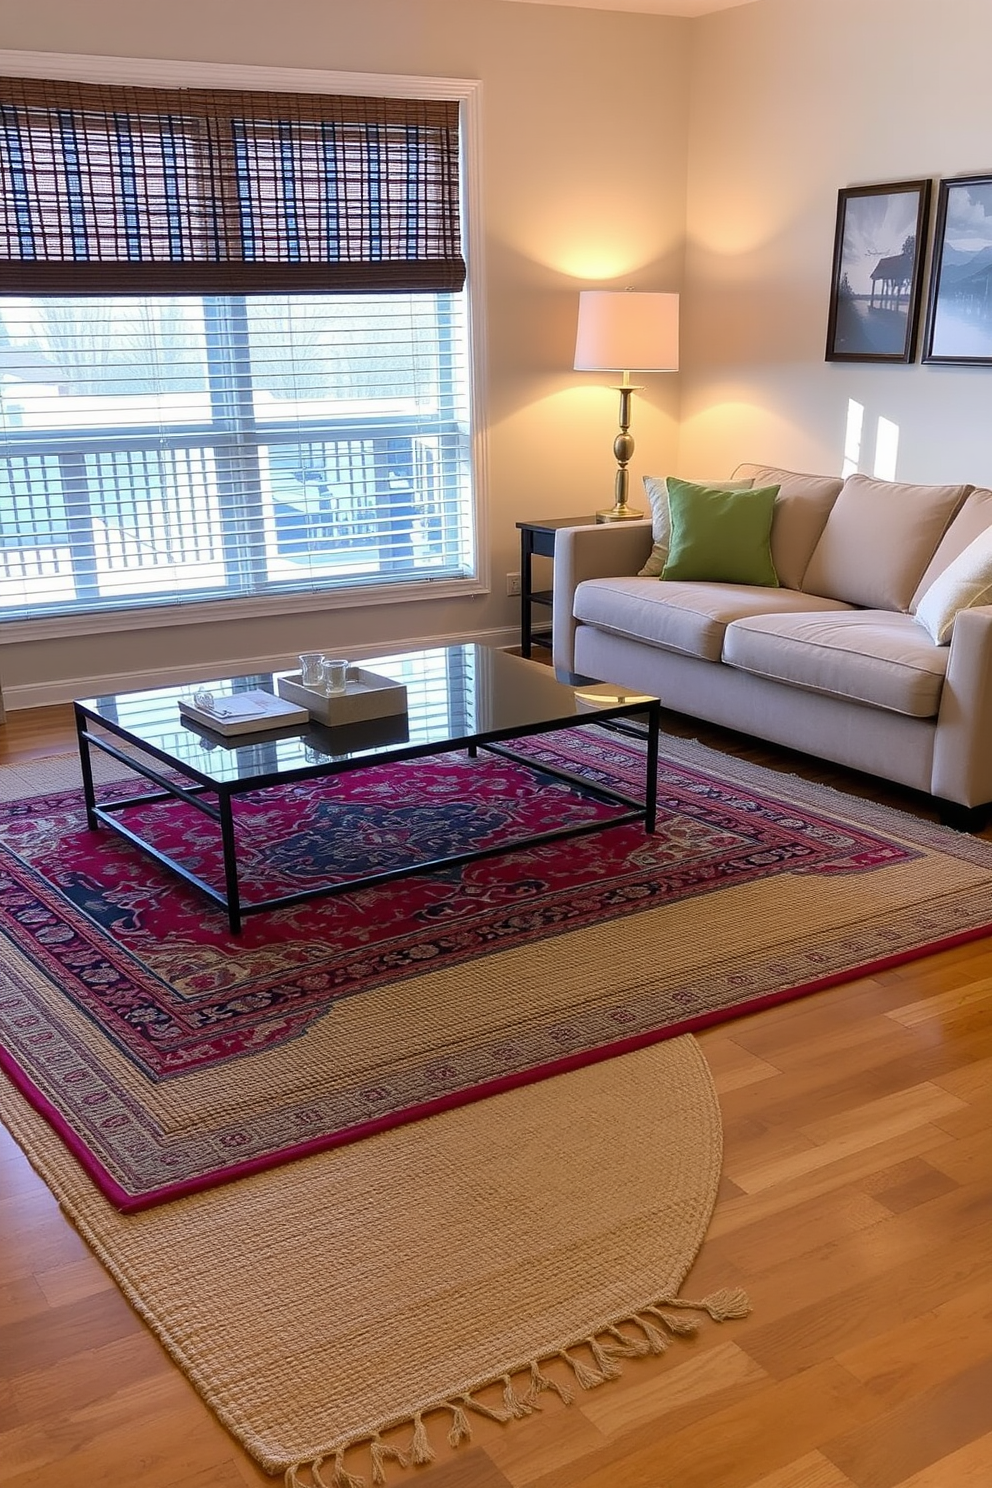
[[626, 331]]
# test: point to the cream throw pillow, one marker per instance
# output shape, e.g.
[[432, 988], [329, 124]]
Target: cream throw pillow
[[965, 582], [656, 489]]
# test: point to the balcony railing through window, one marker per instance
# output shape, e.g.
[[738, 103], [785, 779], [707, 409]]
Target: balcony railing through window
[[170, 450], [136, 517]]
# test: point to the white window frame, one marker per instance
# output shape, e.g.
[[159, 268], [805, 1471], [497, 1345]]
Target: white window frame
[[152, 72]]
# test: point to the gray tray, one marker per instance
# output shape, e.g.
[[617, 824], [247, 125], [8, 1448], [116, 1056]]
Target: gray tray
[[367, 695]]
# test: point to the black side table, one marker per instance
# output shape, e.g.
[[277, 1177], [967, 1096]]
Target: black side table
[[537, 538]]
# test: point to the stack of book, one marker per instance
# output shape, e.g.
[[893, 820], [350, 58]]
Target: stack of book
[[243, 712]]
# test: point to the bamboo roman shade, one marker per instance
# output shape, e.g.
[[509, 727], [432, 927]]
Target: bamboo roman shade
[[111, 190]]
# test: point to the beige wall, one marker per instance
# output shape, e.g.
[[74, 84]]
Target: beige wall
[[793, 100], [584, 148], [593, 124]]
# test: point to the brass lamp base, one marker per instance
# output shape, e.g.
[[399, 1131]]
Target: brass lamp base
[[618, 514], [623, 448]]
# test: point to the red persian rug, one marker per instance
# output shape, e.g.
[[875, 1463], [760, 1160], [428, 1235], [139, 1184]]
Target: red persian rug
[[171, 1056]]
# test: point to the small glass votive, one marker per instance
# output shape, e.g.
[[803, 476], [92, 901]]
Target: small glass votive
[[311, 672], [335, 674]]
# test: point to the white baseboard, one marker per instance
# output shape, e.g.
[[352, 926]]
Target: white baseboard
[[44, 694]]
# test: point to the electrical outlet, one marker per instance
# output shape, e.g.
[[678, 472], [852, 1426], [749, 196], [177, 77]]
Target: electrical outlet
[[513, 584]]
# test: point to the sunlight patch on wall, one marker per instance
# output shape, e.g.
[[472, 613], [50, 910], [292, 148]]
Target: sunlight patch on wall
[[852, 438], [886, 449], [886, 443]]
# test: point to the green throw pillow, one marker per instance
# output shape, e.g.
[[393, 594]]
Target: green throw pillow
[[721, 536], [656, 490]]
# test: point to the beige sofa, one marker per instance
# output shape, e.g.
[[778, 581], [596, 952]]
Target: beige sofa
[[835, 662]]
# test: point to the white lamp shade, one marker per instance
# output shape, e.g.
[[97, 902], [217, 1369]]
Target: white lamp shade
[[626, 331]]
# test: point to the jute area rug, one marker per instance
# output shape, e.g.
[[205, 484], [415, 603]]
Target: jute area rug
[[365, 1300], [171, 1056]]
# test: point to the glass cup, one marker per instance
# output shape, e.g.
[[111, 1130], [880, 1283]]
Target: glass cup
[[311, 673], [335, 673]]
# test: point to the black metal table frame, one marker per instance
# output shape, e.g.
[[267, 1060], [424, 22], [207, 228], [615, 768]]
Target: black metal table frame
[[225, 791]]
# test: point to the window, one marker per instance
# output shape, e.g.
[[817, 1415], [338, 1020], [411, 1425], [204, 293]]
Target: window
[[277, 402], [165, 450]]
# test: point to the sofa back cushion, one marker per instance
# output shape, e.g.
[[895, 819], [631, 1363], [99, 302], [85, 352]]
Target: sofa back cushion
[[974, 517], [878, 539], [801, 509]]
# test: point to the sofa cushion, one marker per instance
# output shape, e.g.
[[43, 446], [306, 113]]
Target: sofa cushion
[[974, 517], [964, 583], [801, 509], [871, 656], [687, 617], [656, 490], [878, 539], [720, 536]]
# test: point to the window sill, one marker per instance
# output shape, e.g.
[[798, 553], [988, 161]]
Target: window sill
[[212, 612]]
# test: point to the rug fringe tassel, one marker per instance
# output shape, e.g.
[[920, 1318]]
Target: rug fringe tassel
[[607, 1347], [491, 1412], [681, 1327], [315, 1472], [515, 1405], [421, 1451], [461, 1429], [721, 1305], [625, 1347], [606, 1359], [657, 1341], [341, 1478], [539, 1382], [587, 1378], [381, 1453]]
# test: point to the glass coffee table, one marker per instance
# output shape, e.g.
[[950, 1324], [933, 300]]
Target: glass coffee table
[[458, 697]]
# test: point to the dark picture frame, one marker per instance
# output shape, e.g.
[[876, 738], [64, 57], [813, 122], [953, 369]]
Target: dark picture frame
[[876, 286], [959, 306]]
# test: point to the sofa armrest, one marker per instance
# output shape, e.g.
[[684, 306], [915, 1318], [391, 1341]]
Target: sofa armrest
[[962, 760], [594, 552]]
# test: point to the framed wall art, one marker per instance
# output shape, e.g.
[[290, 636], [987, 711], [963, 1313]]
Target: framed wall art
[[959, 309], [879, 248]]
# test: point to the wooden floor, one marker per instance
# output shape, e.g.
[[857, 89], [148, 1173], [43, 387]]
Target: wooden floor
[[856, 1209]]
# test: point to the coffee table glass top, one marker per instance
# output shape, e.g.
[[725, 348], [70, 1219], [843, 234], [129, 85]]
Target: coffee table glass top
[[455, 694]]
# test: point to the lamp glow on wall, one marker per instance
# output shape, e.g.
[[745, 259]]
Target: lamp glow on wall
[[626, 331]]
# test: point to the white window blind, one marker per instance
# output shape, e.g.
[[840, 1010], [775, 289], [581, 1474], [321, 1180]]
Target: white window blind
[[167, 450], [164, 448]]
